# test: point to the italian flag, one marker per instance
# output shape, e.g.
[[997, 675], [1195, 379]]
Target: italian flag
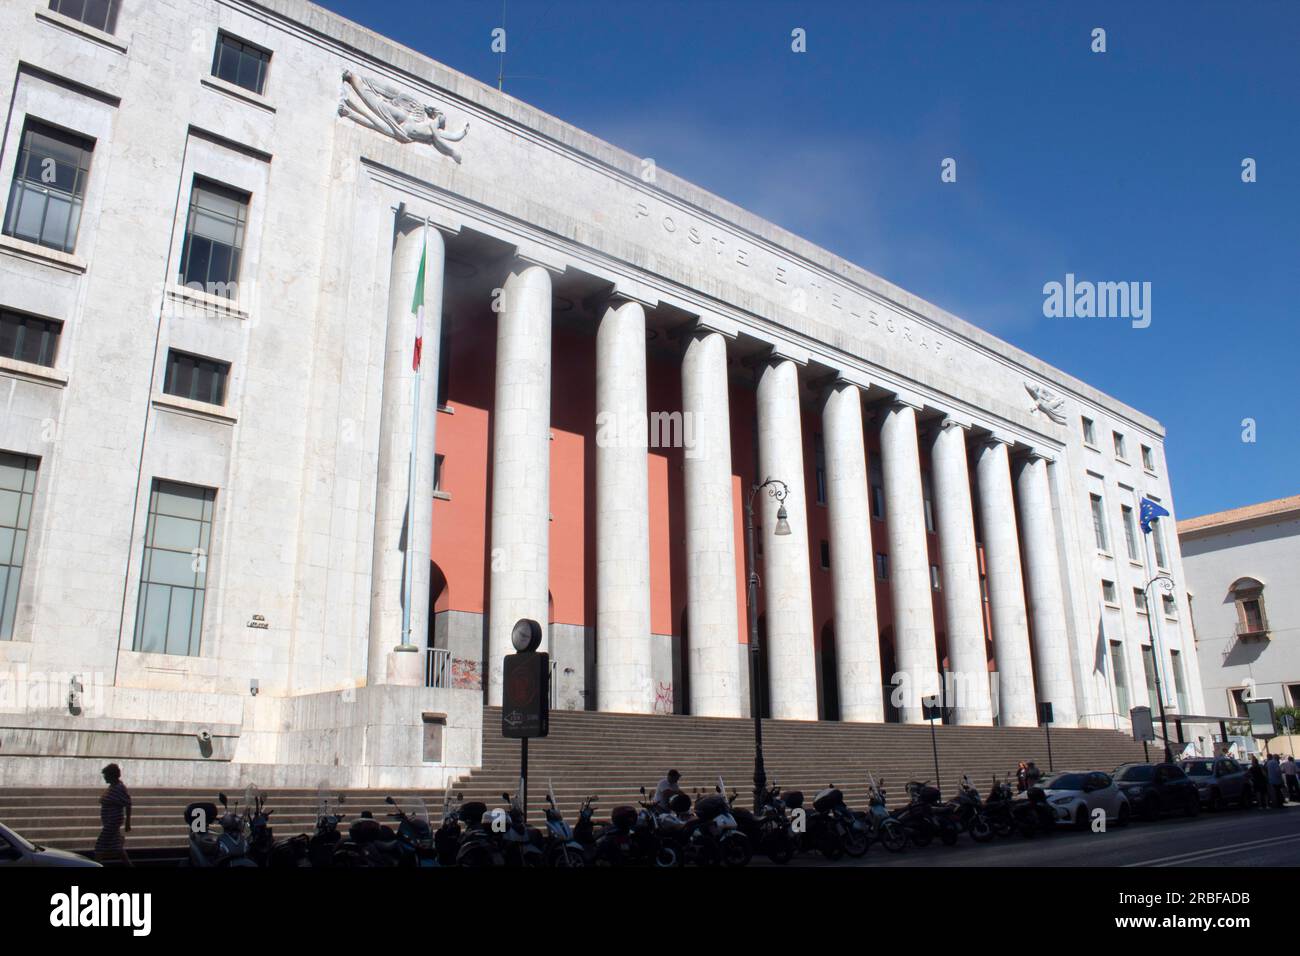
[[417, 308]]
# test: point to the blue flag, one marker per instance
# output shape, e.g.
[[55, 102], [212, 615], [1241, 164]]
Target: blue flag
[[1150, 512]]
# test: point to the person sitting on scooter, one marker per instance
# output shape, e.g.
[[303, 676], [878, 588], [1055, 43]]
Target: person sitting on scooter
[[666, 790]]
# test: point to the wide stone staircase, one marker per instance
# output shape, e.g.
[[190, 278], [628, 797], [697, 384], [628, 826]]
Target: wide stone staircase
[[612, 756]]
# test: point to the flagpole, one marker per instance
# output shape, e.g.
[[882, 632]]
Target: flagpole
[[409, 573]]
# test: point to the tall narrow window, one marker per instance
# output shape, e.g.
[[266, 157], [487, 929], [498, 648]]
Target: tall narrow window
[[1108, 593], [1140, 600], [49, 186], [1119, 446], [1158, 541], [240, 63], [1099, 523], [1180, 688], [819, 467], [100, 14], [876, 477], [199, 379], [1089, 432], [927, 504], [1149, 667], [1130, 533], [1121, 677], [882, 566], [1148, 459], [214, 238], [173, 579], [17, 488], [29, 339]]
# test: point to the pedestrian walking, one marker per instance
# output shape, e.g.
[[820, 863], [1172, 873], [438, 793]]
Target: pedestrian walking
[[114, 812], [1032, 774], [1292, 780], [1022, 777], [1258, 782], [1274, 769]]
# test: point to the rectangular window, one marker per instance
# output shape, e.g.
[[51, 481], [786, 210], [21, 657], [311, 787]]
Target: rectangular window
[[1170, 605], [1119, 446], [1121, 676], [1158, 540], [935, 582], [1148, 459], [1149, 668], [1089, 433], [199, 379], [214, 238], [1140, 600], [1130, 533], [173, 578], [819, 468], [240, 63], [1238, 696], [1108, 592], [437, 471], [1180, 689], [100, 14], [49, 186], [926, 502], [826, 555], [29, 339], [1099, 523], [876, 478], [17, 488], [882, 566]]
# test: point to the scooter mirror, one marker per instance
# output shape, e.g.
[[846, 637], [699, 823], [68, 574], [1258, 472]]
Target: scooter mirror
[[390, 801], [643, 790], [222, 798], [505, 797]]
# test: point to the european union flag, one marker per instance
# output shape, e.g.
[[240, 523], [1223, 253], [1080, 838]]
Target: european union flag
[[1150, 512]]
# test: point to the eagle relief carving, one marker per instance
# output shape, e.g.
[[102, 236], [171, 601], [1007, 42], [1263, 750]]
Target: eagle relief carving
[[1047, 402], [386, 109]]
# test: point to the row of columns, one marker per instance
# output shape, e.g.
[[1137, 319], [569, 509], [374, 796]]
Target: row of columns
[[520, 528]]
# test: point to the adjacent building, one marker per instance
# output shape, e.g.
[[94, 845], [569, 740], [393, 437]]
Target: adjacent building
[[1243, 586], [241, 535]]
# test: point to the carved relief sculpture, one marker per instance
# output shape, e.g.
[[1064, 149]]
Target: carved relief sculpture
[[388, 110], [1045, 401]]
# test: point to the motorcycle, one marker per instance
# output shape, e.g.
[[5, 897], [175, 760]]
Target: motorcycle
[[885, 830], [584, 830], [769, 830], [229, 849], [716, 837], [852, 830], [262, 846], [520, 844], [921, 819], [560, 848], [414, 834], [446, 839], [327, 838], [478, 847], [967, 812]]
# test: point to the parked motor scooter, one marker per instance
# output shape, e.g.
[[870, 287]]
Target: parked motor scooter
[[560, 848], [327, 838], [967, 812], [478, 847], [414, 834], [229, 849], [446, 839], [885, 829], [520, 844]]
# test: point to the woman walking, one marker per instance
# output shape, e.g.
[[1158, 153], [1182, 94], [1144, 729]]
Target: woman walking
[[114, 811]]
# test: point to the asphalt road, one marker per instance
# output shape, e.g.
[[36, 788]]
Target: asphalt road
[[1230, 838]]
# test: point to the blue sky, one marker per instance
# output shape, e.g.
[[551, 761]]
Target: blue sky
[[1119, 166]]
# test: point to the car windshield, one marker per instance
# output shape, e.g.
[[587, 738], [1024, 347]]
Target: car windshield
[[1066, 781], [18, 840], [1141, 773], [1199, 768]]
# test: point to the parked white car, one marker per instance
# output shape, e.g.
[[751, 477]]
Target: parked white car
[[1073, 795], [15, 850]]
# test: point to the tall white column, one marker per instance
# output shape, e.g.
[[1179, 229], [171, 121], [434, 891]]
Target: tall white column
[[623, 673], [1016, 700], [960, 575], [521, 465], [391, 542], [786, 581], [1052, 664], [713, 660], [857, 640], [909, 563]]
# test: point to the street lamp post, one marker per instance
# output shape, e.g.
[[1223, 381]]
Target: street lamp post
[[1166, 584], [751, 605]]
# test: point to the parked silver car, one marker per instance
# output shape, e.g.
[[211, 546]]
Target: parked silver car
[[16, 850], [1076, 794], [1220, 781]]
